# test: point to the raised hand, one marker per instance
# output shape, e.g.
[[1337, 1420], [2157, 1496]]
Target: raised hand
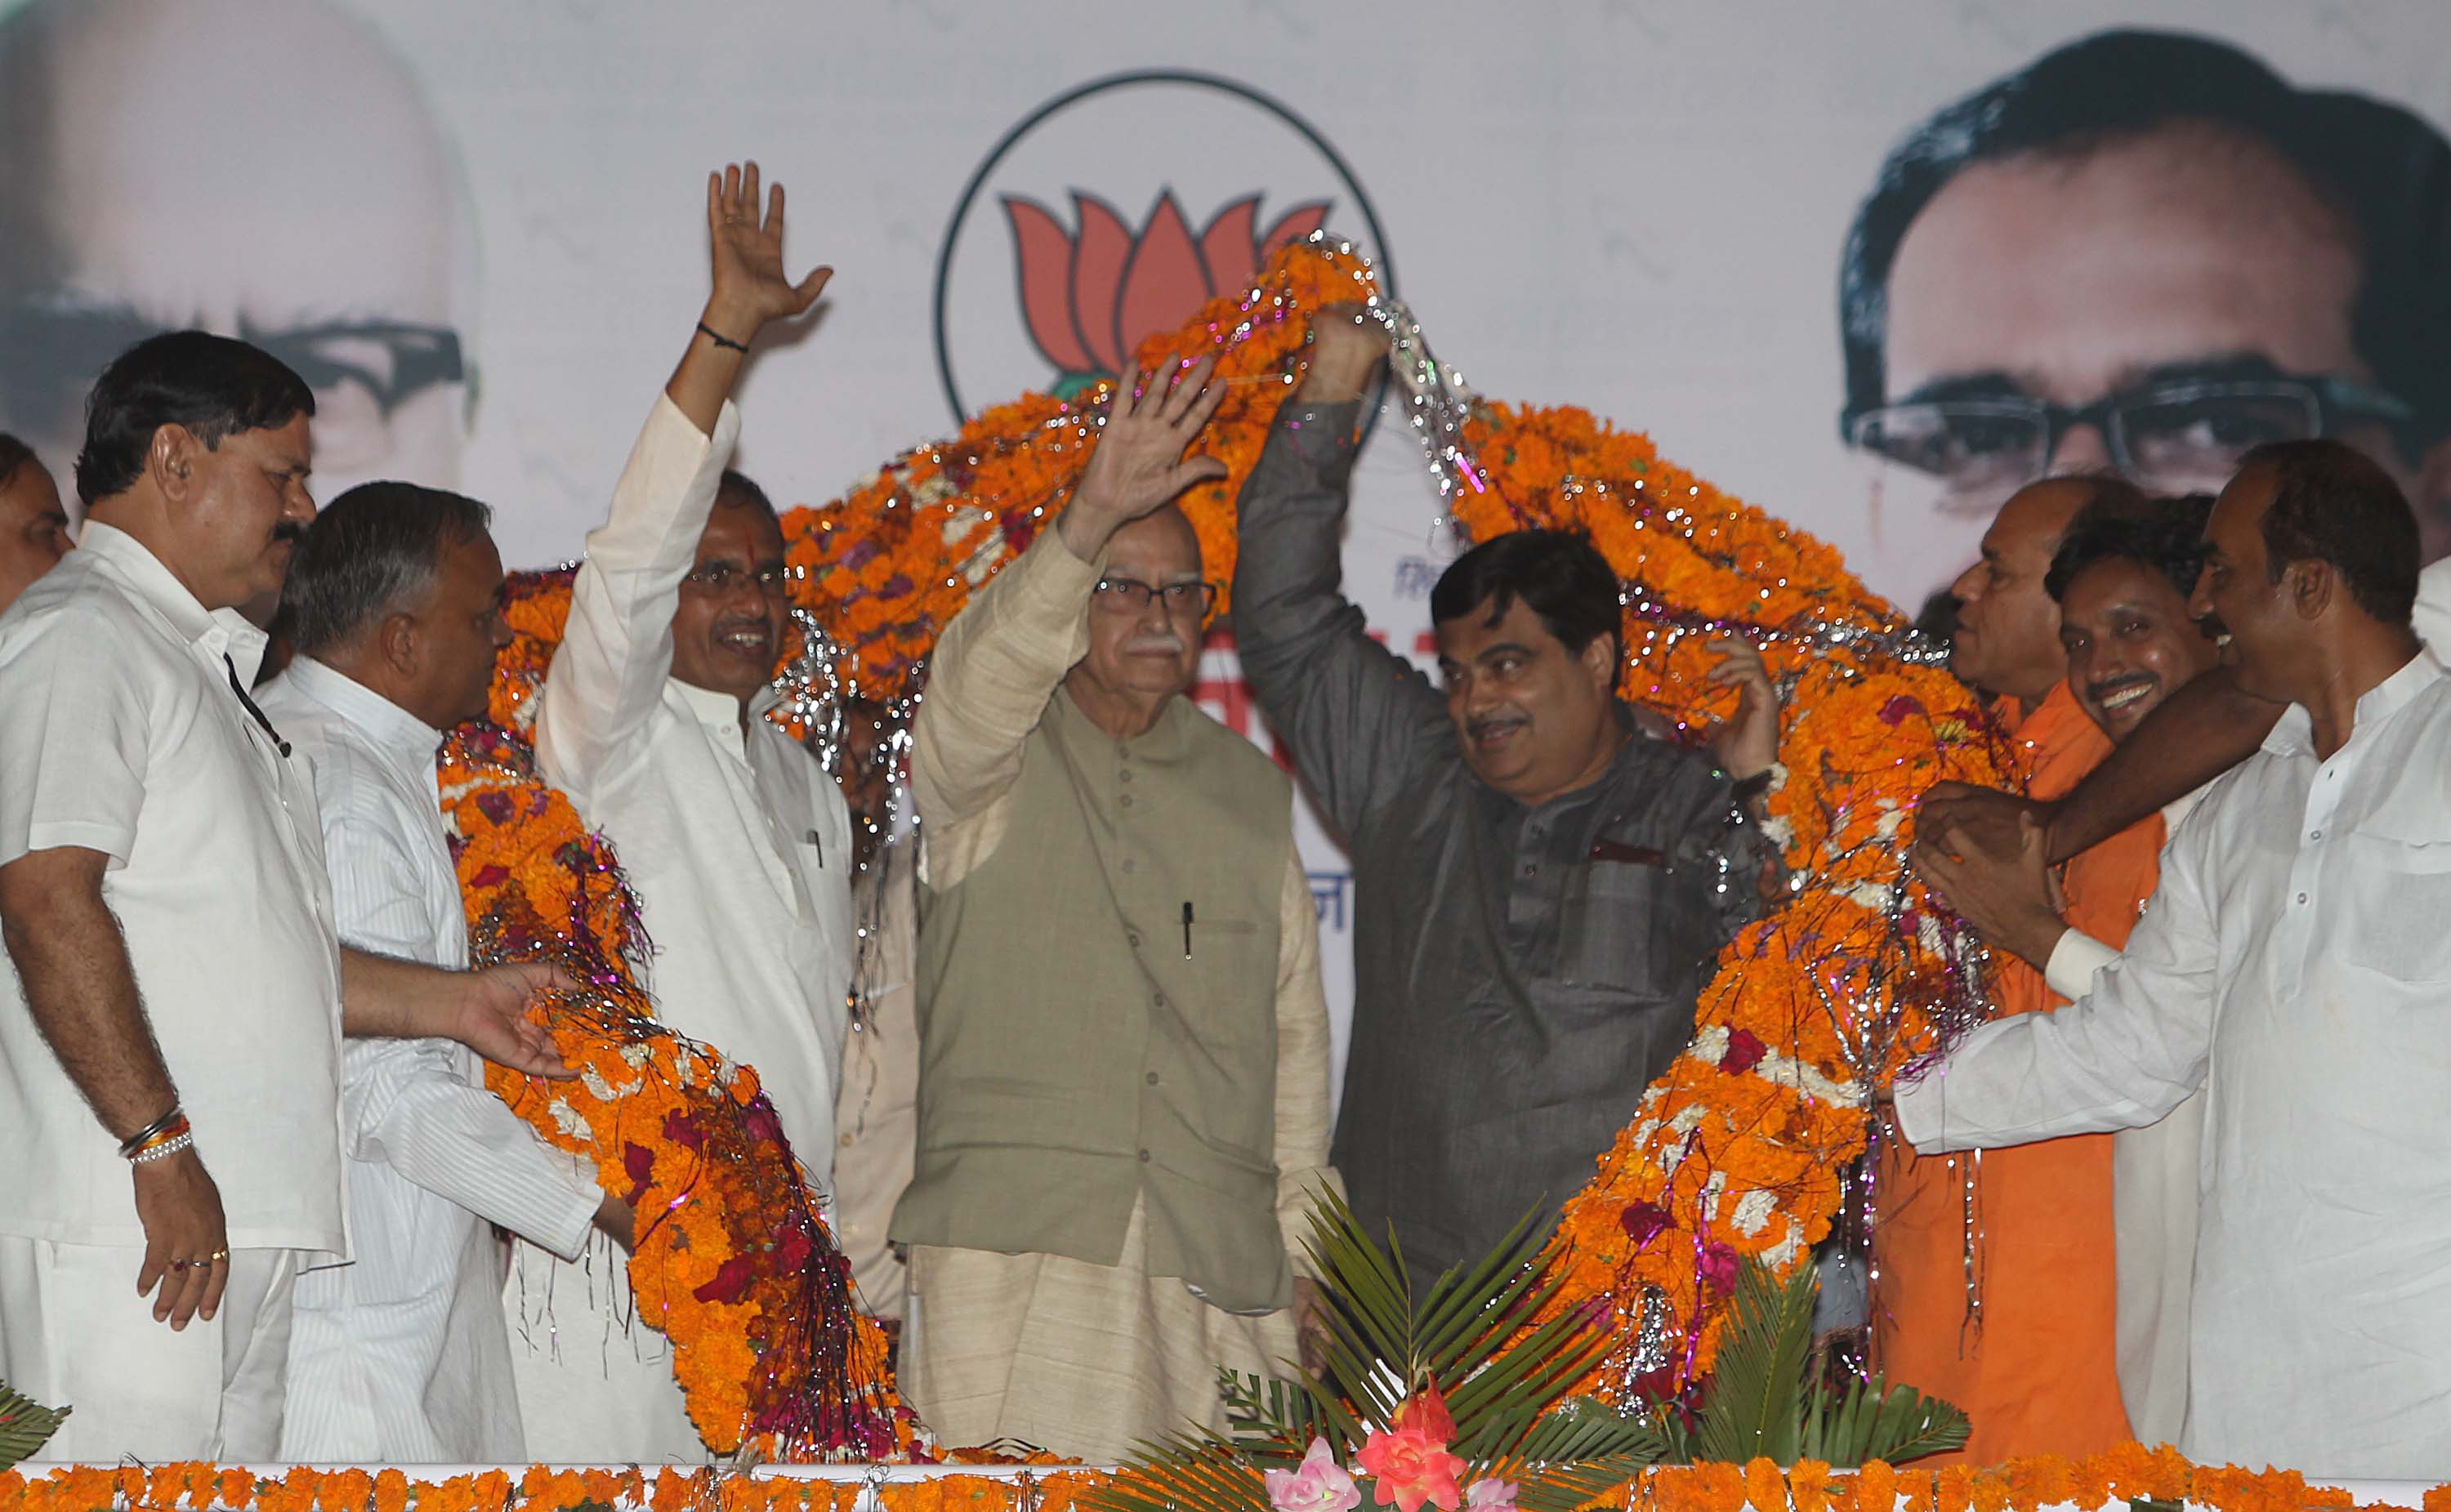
[[186, 1242], [1347, 349], [751, 286], [1139, 464]]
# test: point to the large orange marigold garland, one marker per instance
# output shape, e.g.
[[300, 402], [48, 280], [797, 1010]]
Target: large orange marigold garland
[[1739, 1150], [732, 1261]]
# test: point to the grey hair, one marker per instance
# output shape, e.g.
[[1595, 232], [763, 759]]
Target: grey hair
[[371, 552]]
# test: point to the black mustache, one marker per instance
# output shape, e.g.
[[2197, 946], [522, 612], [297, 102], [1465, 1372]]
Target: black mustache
[[2212, 627], [2111, 685], [289, 530], [1477, 728]]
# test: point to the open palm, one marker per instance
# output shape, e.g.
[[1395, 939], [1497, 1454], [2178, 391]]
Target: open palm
[[747, 248], [1139, 463]]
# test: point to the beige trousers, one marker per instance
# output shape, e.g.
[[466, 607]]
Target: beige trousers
[[74, 1333], [1085, 1360]]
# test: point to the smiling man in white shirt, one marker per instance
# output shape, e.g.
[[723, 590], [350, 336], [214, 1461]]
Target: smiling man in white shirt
[[394, 603], [736, 840], [2293, 963], [169, 1088]]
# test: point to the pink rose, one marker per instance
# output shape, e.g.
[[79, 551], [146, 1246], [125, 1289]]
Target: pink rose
[[1410, 1458], [1320, 1484], [1490, 1496]]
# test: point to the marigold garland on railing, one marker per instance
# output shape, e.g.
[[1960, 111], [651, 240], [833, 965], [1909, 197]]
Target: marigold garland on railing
[[732, 1261], [2127, 1474]]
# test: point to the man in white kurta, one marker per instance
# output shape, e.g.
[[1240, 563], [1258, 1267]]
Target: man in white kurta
[[401, 1356], [173, 967], [736, 840], [2293, 964]]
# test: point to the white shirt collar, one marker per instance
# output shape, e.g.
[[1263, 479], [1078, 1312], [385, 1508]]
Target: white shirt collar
[[2295, 734], [722, 709], [392, 727], [220, 632]]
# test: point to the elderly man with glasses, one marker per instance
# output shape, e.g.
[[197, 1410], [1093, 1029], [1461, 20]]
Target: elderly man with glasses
[[1123, 1087], [2146, 252]]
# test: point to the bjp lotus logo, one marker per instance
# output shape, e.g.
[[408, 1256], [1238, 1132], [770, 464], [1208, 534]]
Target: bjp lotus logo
[[1093, 294], [1040, 284]]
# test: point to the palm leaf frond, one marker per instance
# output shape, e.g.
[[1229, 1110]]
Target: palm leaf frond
[[26, 1425], [1755, 1405]]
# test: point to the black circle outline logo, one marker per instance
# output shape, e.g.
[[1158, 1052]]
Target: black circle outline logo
[[1385, 264]]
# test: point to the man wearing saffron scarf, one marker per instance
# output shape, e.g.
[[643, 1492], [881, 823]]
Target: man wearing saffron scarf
[[2122, 579], [1997, 1289]]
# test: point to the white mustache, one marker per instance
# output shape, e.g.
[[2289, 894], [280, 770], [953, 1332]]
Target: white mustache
[[1153, 645]]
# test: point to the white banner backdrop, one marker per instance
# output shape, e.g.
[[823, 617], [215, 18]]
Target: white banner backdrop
[[478, 227]]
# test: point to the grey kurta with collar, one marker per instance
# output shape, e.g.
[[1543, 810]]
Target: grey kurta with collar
[[1520, 973]]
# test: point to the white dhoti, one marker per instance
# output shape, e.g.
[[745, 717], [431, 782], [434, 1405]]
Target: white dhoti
[[74, 1333], [1085, 1360], [596, 1382]]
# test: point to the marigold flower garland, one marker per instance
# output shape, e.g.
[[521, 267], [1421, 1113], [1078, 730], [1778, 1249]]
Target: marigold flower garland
[[886, 566], [2127, 1473], [732, 1261], [1739, 1150]]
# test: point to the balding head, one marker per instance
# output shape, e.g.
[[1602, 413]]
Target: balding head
[[263, 168], [2008, 641]]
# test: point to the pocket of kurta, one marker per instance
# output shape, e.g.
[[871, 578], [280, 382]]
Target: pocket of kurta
[[2398, 917], [1606, 923]]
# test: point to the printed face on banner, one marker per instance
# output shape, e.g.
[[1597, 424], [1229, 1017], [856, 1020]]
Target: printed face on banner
[[267, 171], [1113, 212], [2151, 302]]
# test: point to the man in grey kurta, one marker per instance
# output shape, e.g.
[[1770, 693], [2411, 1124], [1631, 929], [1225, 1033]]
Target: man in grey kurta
[[1542, 888]]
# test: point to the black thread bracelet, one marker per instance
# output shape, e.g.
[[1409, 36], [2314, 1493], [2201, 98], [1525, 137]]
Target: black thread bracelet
[[720, 338], [138, 1138]]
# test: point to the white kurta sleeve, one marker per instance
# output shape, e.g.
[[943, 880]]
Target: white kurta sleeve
[[2121, 1057], [2074, 959], [73, 747], [617, 648], [410, 1104]]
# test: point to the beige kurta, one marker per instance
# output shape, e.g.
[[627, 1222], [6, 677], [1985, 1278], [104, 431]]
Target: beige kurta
[[1080, 1357], [877, 1110]]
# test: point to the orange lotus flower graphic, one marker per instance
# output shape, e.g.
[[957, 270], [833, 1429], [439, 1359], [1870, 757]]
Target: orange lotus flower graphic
[[1091, 296]]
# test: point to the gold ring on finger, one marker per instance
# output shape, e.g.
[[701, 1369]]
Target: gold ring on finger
[[178, 1265], [219, 1257]]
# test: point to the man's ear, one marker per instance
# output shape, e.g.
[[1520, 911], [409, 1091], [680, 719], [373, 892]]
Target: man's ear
[[1601, 659], [171, 460], [2311, 583], [401, 641]]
